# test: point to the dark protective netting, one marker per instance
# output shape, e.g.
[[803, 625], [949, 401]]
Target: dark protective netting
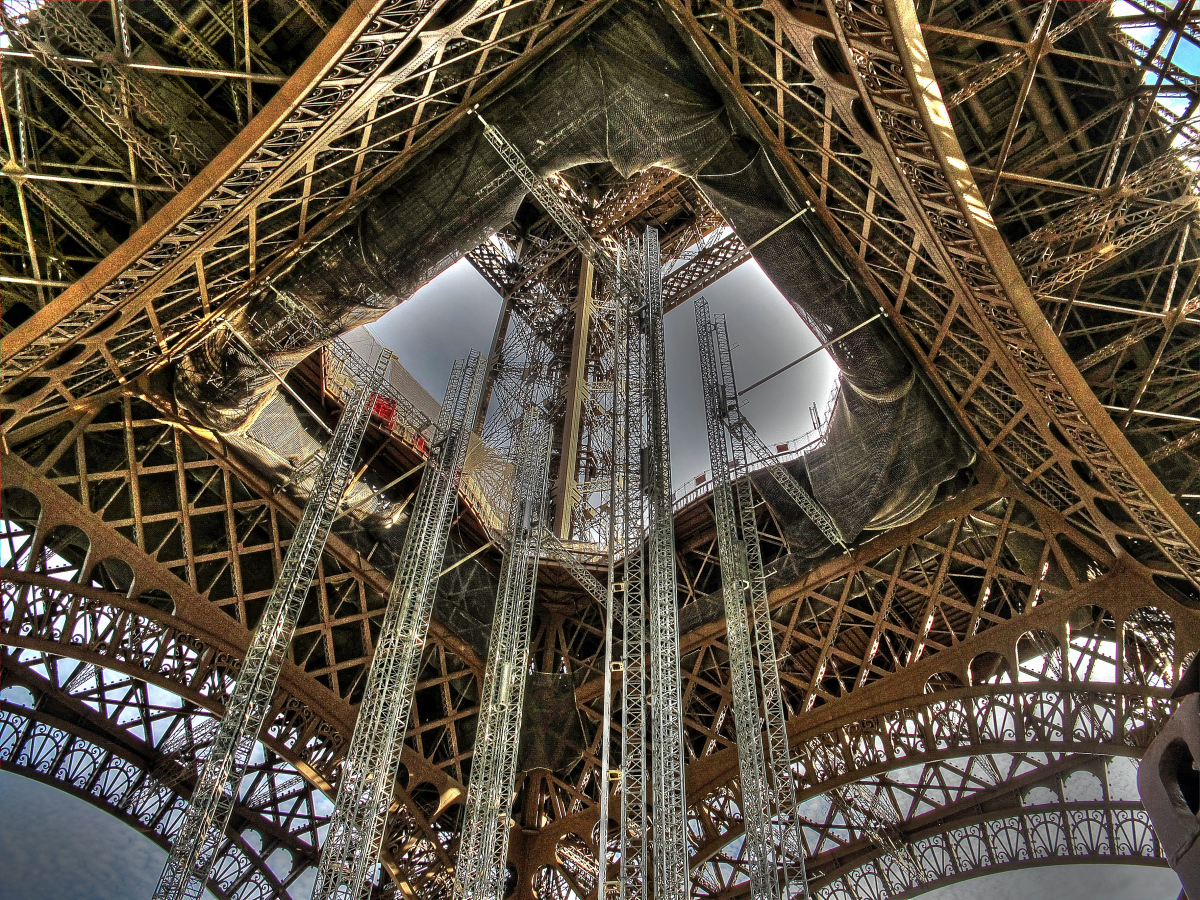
[[551, 730], [627, 92], [466, 599]]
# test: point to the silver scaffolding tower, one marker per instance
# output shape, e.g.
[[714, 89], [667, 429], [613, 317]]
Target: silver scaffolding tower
[[481, 867], [630, 516], [735, 584], [669, 835], [350, 854], [747, 575], [200, 836], [859, 806], [641, 412]]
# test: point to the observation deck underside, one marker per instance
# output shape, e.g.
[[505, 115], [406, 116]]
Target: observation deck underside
[[1013, 457]]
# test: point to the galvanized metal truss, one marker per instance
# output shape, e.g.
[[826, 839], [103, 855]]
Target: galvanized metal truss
[[668, 847], [481, 868], [200, 834], [639, 285], [629, 427], [768, 795], [350, 854], [1069, 360]]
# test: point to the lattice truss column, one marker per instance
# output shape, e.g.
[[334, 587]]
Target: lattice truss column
[[481, 868], [640, 283], [350, 855], [668, 844], [220, 780], [758, 798]]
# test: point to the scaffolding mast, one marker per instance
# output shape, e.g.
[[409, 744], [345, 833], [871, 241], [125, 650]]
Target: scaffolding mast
[[860, 807], [735, 584], [629, 413], [195, 845], [564, 217], [481, 868], [790, 860], [666, 700], [350, 854]]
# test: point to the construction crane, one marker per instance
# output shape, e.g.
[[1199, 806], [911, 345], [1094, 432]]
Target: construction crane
[[194, 847], [350, 854], [720, 382], [483, 850]]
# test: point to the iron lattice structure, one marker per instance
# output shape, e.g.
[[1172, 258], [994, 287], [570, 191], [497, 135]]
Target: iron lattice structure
[[1011, 183]]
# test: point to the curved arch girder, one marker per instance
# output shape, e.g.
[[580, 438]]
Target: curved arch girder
[[52, 619], [901, 204], [66, 743]]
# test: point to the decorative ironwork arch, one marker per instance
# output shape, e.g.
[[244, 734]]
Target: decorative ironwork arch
[[71, 739]]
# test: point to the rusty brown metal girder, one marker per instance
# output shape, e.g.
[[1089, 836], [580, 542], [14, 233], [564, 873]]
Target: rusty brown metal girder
[[969, 837], [911, 573], [149, 317], [1000, 800], [93, 756], [964, 310], [914, 726], [54, 320], [1124, 254]]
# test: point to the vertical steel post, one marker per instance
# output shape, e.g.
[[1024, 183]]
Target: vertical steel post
[[792, 875], [644, 419], [630, 403], [350, 854], [735, 585], [574, 393], [480, 869], [666, 703], [199, 838]]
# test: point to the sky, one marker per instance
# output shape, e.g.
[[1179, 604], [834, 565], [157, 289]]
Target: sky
[[457, 312], [62, 847]]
